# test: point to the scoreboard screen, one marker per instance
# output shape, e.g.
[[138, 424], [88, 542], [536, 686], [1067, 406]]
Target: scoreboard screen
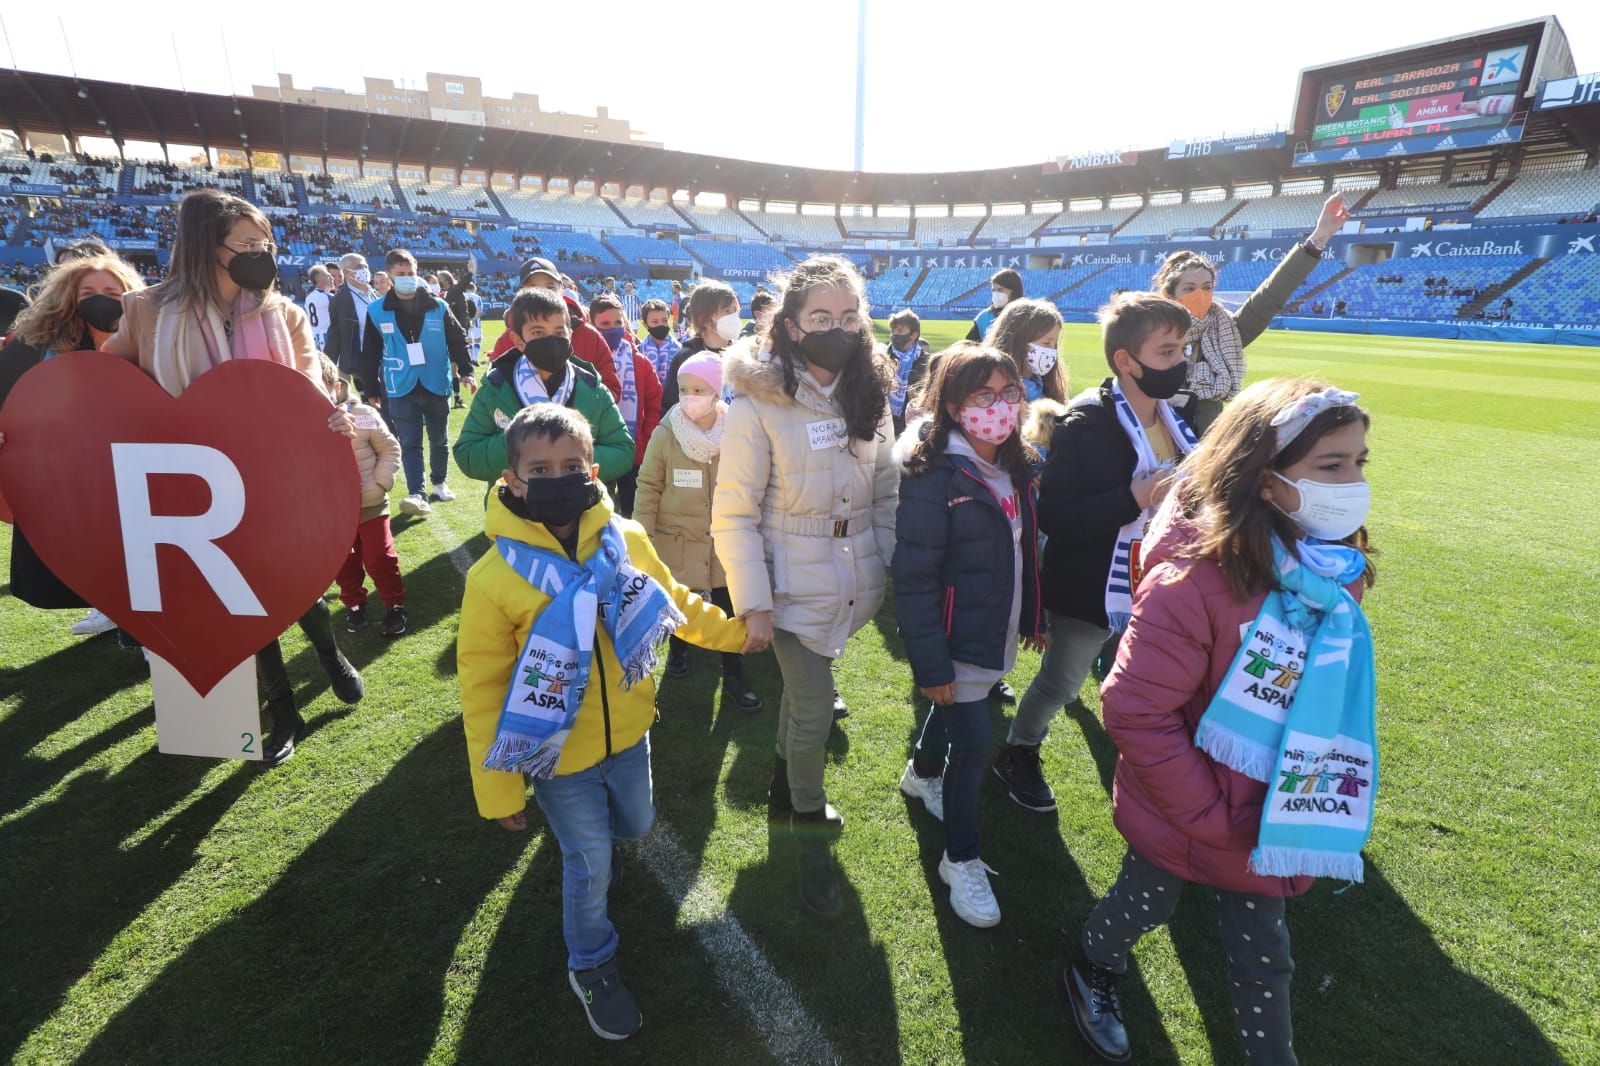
[[1460, 90], [1463, 92]]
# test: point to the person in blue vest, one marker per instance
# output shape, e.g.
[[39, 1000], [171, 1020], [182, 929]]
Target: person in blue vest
[[1005, 286], [412, 349]]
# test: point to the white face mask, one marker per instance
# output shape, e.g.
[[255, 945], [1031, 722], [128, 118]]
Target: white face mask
[[1330, 512], [364, 276], [1041, 360], [998, 298], [728, 326]]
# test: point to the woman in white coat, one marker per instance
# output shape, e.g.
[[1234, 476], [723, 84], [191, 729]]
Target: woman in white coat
[[803, 521]]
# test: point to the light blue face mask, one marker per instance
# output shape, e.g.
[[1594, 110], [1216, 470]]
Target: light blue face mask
[[406, 284]]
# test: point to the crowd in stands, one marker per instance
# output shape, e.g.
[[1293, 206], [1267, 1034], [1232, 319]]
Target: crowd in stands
[[323, 187], [166, 179]]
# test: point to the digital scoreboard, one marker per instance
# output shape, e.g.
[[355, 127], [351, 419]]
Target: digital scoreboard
[[1464, 92]]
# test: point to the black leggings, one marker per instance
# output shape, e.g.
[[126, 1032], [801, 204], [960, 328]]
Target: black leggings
[[272, 677]]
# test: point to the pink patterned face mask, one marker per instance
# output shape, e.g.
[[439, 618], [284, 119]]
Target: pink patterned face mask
[[992, 424]]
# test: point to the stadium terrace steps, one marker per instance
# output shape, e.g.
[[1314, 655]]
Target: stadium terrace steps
[[751, 223], [1474, 307], [916, 284], [1296, 305], [1222, 222], [1489, 197], [400, 195], [494, 199], [125, 181], [1120, 226]]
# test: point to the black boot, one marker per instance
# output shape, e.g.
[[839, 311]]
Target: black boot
[[778, 805], [827, 822], [819, 880], [344, 679], [1003, 692], [678, 659], [1097, 1007], [840, 710], [734, 688], [1020, 767], [317, 625], [285, 727]]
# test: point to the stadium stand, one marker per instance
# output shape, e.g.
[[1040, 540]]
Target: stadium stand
[[369, 192], [734, 255], [562, 209], [935, 231], [1289, 211], [1568, 190], [1098, 287], [1011, 227], [945, 284], [1159, 220], [1108, 218], [890, 227], [725, 222], [170, 182], [440, 199], [1422, 195], [887, 291], [1563, 290], [650, 214], [1429, 289], [807, 229], [275, 189], [638, 248]]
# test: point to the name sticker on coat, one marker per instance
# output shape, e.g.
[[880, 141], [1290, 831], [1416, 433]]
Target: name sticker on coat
[[415, 354], [687, 479], [829, 433], [386, 327]]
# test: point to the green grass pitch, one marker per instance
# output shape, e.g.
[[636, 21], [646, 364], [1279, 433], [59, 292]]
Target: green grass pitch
[[351, 907]]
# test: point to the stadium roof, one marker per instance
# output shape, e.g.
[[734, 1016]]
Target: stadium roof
[[75, 107]]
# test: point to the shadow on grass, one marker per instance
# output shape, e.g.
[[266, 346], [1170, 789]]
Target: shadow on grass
[[70, 884], [1368, 968]]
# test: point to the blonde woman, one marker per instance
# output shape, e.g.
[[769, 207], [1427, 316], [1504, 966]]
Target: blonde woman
[[75, 307]]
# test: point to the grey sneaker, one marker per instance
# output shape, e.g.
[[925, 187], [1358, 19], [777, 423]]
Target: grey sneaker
[[612, 1012]]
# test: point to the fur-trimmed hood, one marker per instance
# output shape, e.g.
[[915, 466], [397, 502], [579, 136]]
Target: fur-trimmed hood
[[915, 430], [750, 370]]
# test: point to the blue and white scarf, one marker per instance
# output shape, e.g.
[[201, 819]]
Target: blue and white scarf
[[1126, 567], [1297, 709], [552, 673], [904, 362], [628, 402], [531, 387]]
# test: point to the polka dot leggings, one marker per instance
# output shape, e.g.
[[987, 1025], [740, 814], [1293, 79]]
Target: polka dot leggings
[[1253, 934]]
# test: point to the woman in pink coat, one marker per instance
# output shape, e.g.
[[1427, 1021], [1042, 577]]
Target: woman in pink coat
[[1209, 558]]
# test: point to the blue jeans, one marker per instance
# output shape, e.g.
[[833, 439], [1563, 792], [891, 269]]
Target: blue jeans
[[955, 742], [588, 812], [410, 412]]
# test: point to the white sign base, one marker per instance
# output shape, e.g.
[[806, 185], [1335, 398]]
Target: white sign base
[[223, 724]]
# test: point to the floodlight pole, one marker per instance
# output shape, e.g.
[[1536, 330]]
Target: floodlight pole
[[861, 78]]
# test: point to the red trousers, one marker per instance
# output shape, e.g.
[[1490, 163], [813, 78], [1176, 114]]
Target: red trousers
[[373, 553]]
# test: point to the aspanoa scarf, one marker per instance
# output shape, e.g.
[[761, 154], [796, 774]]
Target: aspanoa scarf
[[552, 673], [531, 388], [1125, 564], [1298, 710], [628, 402]]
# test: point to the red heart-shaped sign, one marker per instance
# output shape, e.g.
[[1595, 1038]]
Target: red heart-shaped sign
[[203, 525]]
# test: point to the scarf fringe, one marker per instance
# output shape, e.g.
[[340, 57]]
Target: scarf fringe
[[1283, 861], [642, 663], [1237, 753], [519, 754]]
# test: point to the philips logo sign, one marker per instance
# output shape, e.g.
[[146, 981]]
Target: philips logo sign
[[1430, 249]]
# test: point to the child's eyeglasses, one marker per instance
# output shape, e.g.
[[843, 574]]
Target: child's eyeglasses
[[987, 397]]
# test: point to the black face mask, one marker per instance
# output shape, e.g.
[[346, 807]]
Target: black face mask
[[1163, 384], [100, 311], [552, 501], [549, 354], [902, 341], [660, 333], [830, 349], [253, 270]]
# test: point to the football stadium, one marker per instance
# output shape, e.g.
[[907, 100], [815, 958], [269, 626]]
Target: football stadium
[[166, 896]]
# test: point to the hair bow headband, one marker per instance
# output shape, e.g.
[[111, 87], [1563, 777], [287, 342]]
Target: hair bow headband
[[1292, 420]]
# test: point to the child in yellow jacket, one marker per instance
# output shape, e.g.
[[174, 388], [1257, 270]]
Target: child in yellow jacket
[[560, 627]]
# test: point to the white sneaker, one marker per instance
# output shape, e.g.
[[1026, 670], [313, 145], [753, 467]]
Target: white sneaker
[[91, 624], [442, 493], [970, 895], [930, 790], [415, 504]]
